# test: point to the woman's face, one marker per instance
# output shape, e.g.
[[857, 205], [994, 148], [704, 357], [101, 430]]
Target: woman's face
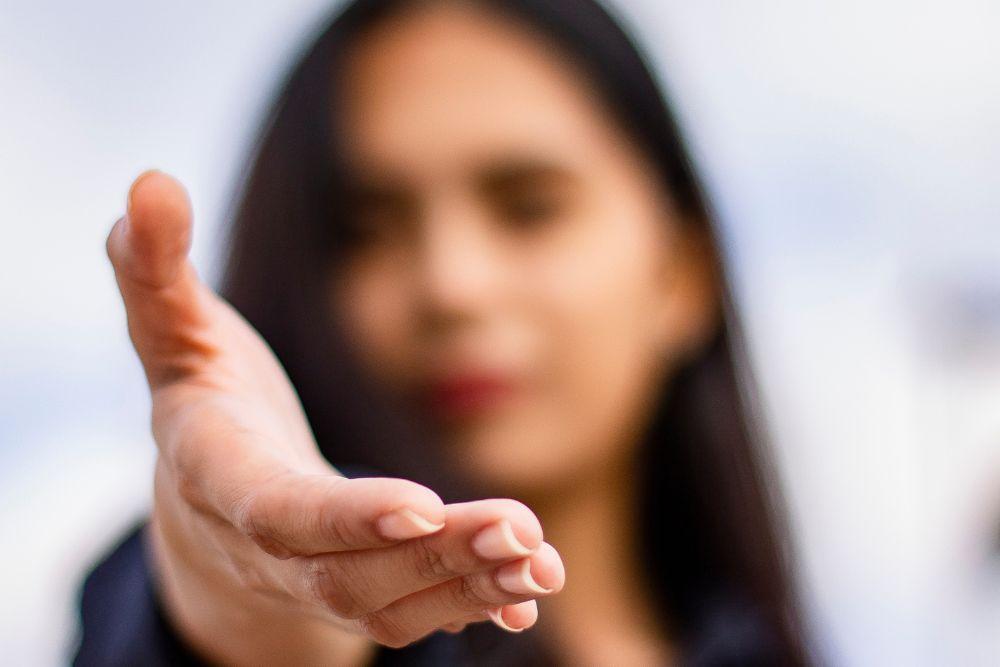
[[514, 266]]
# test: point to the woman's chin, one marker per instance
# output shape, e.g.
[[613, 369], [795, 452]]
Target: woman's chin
[[516, 468]]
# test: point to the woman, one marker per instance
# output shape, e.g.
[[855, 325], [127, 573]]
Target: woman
[[473, 239]]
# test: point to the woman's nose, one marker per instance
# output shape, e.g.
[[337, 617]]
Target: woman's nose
[[459, 270]]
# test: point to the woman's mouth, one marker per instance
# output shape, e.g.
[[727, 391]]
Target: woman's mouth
[[466, 395]]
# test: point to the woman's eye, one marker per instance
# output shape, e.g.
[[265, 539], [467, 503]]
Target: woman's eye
[[360, 227], [530, 209], [374, 221], [360, 231]]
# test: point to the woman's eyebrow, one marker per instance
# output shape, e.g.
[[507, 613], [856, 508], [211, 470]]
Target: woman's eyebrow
[[510, 173]]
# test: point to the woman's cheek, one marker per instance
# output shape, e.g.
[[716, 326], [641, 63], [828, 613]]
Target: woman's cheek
[[604, 364]]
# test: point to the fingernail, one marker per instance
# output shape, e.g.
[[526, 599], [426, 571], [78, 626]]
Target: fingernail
[[516, 578], [498, 541], [405, 524], [496, 615]]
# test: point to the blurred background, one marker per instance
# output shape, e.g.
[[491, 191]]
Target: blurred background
[[853, 152]]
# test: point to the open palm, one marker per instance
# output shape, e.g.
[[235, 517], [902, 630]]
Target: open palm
[[249, 515]]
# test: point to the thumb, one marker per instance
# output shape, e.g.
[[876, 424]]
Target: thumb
[[149, 245], [165, 304]]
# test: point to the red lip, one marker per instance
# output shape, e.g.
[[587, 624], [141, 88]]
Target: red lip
[[466, 395]]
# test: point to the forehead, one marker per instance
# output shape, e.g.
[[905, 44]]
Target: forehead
[[446, 83]]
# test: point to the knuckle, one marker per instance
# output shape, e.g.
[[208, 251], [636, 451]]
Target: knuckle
[[330, 589], [381, 628], [331, 524], [272, 547], [248, 515], [168, 372], [252, 514], [258, 513], [251, 517], [432, 564], [469, 595]]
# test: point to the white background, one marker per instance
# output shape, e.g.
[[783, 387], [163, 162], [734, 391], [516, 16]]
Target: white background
[[853, 151]]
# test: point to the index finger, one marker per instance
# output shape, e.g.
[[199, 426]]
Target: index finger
[[295, 514]]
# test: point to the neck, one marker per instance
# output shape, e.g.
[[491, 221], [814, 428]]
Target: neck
[[605, 613]]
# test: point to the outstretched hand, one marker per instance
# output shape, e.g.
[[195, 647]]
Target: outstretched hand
[[250, 522]]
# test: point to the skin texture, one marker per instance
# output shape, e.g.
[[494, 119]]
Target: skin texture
[[264, 552]]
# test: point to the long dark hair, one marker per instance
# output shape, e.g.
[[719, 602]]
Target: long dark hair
[[711, 521]]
